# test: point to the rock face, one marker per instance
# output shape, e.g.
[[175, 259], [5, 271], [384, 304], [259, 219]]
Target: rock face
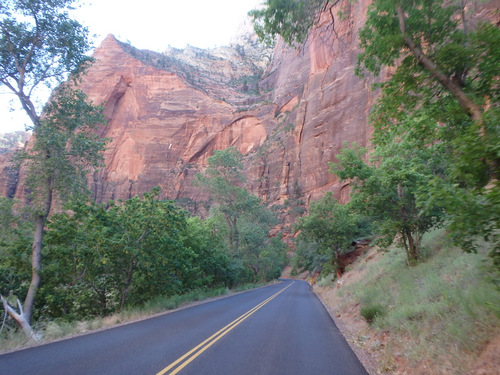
[[9, 175], [319, 104], [288, 111], [166, 116], [168, 112]]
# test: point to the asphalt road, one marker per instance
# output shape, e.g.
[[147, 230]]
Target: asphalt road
[[279, 329]]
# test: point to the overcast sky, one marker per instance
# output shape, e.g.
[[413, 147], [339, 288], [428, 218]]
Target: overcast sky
[[149, 24]]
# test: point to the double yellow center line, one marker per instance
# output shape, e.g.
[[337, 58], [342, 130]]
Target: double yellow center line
[[187, 358]]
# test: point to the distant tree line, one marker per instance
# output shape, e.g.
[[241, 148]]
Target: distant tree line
[[11, 140]]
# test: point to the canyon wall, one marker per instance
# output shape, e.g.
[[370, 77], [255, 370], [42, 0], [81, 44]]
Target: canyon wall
[[9, 174], [289, 111], [168, 112]]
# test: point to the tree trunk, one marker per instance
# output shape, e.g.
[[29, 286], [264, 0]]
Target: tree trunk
[[124, 292], [103, 302], [336, 260], [36, 255], [465, 102], [234, 242], [411, 247], [23, 318], [36, 267], [20, 318], [255, 270]]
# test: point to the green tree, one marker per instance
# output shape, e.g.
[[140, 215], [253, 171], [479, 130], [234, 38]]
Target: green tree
[[248, 222], [391, 190], [15, 233], [435, 48], [102, 257], [332, 226], [258, 251], [306, 257], [146, 255], [220, 180], [8, 222], [63, 150], [40, 44], [291, 209], [212, 264], [444, 90], [289, 19]]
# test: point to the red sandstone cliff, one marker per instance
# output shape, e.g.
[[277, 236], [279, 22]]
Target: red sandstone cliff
[[168, 112], [9, 173], [163, 121]]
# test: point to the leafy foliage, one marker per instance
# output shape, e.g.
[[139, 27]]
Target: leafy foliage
[[211, 264], [39, 44], [391, 190], [307, 257], [436, 47], [65, 148], [441, 101], [14, 251], [101, 257], [332, 227], [289, 19], [246, 221]]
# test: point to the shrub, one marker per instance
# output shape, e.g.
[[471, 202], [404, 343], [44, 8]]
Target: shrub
[[372, 312]]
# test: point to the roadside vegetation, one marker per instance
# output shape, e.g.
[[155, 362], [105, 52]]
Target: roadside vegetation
[[437, 317], [434, 157], [104, 260], [56, 329], [427, 193], [64, 257]]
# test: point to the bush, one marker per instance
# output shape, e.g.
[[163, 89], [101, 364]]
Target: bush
[[372, 312]]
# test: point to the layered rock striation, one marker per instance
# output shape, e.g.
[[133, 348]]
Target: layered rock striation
[[289, 111], [167, 113]]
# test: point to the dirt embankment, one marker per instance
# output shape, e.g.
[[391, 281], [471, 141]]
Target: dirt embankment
[[380, 350]]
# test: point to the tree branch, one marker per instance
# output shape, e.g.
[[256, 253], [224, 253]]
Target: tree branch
[[20, 318], [451, 85]]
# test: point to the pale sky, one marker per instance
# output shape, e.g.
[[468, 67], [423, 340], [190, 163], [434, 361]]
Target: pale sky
[[148, 24]]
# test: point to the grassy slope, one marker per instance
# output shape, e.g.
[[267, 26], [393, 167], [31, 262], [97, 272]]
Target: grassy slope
[[435, 318]]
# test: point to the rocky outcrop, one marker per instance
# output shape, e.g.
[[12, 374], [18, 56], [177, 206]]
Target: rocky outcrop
[[9, 174], [10, 143], [320, 104], [166, 115]]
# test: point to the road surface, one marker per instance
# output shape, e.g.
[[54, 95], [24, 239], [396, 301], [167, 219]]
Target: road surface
[[280, 329]]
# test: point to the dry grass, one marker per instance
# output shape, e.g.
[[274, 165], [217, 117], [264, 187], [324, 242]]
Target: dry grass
[[440, 317], [56, 330]]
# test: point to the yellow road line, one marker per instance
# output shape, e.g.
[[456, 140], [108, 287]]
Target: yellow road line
[[196, 351]]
